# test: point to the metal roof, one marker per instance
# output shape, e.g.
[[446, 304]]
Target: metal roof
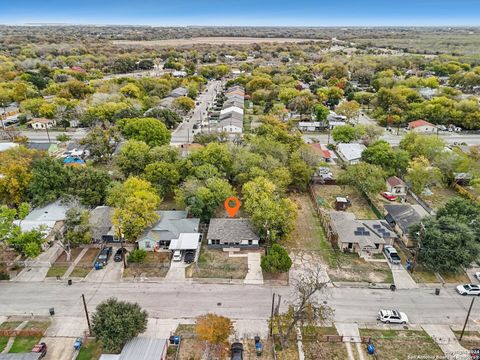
[[140, 348], [20, 356]]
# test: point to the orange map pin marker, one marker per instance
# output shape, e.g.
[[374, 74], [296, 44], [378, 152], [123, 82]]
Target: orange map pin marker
[[232, 210]]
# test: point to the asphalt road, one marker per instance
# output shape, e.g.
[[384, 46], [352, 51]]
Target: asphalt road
[[185, 132], [42, 136], [183, 300]]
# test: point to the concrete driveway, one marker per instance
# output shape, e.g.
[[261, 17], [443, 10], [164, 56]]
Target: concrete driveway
[[447, 341], [111, 273], [66, 326], [176, 271], [254, 275], [38, 268], [401, 277], [59, 348]]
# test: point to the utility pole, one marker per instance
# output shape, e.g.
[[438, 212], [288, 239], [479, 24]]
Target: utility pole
[[86, 315], [271, 316], [466, 320], [417, 248], [48, 135]]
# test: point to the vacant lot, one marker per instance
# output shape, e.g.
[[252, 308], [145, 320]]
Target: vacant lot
[[86, 263], [316, 348], [351, 267], [209, 41], [402, 344], [470, 339], [215, 263], [156, 264], [326, 195]]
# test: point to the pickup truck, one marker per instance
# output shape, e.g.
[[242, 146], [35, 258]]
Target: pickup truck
[[41, 349]]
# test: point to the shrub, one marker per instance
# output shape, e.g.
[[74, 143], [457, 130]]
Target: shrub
[[137, 256], [277, 260]]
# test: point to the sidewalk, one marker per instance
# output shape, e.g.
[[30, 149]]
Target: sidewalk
[[38, 269], [75, 263], [401, 277], [447, 341], [351, 335]]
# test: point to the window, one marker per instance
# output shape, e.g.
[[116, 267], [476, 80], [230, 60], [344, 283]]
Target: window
[[250, 242], [350, 245], [377, 246]]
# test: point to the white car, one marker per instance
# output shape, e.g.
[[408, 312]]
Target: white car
[[177, 255], [392, 316], [468, 289], [477, 276]]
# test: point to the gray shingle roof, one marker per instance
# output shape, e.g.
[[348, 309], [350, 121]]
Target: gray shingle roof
[[101, 221], [170, 225], [231, 230], [351, 230], [404, 215]]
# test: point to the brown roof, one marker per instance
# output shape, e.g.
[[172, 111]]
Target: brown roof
[[395, 181], [418, 123]]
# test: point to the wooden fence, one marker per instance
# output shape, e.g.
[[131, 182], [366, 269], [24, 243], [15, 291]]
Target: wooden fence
[[324, 218]]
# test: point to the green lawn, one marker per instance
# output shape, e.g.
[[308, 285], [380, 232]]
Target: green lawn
[[91, 350], [57, 270], [80, 271], [9, 325], [3, 342], [24, 344]]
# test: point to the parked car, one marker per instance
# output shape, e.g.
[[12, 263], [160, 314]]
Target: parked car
[[104, 255], [389, 196], [177, 255], [40, 348], [189, 256], [477, 276], [119, 254], [391, 254], [392, 316], [236, 351], [468, 289], [475, 354]]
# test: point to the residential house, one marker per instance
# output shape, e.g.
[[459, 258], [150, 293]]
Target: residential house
[[179, 74], [231, 126], [231, 109], [4, 146], [402, 217], [190, 241], [396, 186], [231, 233], [101, 225], [50, 148], [350, 153], [170, 225], [231, 115], [350, 234], [422, 126], [141, 348], [309, 126], [178, 92], [233, 102], [166, 102], [42, 123], [323, 153]]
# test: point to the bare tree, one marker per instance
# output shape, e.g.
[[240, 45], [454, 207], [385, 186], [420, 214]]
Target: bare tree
[[306, 308]]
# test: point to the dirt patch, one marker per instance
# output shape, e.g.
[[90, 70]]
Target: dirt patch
[[351, 267], [156, 264], [403, 344], [326, 195], [63, 256], [439, 197], [316, 346], [7, 255], [470, 339], [215, 263], [210, 41], [89, 257]]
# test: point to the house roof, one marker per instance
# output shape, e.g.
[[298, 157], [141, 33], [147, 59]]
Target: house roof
[[351, 230], [233, 102], [231, 115], [6, 146], [317, 148], [142, 348], [170, 225], [20, 356], [231, 230], [178, 92], [350, 152], [185, 242], [231, 122], [41, 121], [309, 123], [380, 227], [418, 123], [166, 102], [101, 221], [404, 215], [55, 211], [231, 109], [395, 181]]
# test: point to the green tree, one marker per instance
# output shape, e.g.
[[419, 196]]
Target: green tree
[[277, 260], [349, 109], [50, 181], [321, 112], [89, 185], [344, 134], [381, 153], [169, 117], [115, 322], [102, 142], [422, 145], [29, 243], [301, 172], [133, 157], [421, 173], [150, 130], [162, 174], [131, 90], [183, 104], [77, 230], [367, 177]]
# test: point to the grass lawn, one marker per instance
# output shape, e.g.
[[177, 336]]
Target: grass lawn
[[3, 342], [156, 264], [37, 325], [80, 271], [215, 263], [24, 344], [57, 270], [440, 196], [470, 339], [455, 278], [315, 347], [326, 195], [85, 265], [10, 325], [191, 347], [420, 274], [402, 344], [90, 350]]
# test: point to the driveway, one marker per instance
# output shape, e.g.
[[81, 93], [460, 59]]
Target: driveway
[[59, 348], [38, 268], [176, 271], [446, 340], [66, 326], [401, 277], [254, 275], [110, 273]]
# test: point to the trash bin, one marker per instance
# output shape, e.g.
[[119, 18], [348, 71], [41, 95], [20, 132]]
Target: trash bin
[[174, 340], [393, 287], [371, 349], [69, 281], [51, 311], [437, 291]]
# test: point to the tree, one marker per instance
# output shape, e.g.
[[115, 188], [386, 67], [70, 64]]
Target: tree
[[422, 145], [306, 309], [115, 322], [131, 90], [321, 112], [135, 202], [89, 185], [421, 174], [149, 130], [29, 243], [301, 172], [215, 330], [7, 215], [367, 177], [183, 104], [50, 181], [344, 134], [162, 174], [303, 102], [170, 118], [381, 153], [77, 230], [349, 109], [133, 157], [277, 260], [461, 210], [102, 142]]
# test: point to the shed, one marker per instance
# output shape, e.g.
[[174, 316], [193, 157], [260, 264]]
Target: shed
[[341, 203]]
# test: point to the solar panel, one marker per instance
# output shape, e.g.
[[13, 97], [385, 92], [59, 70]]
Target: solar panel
[[360, 228], [358, 233], [366, 233], [377, 226]]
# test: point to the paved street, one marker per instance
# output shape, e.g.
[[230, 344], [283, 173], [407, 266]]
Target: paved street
[[184, 300], [185, 132], [42, 136]]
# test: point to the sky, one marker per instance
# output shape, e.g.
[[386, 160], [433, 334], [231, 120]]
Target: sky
[[244, 12]]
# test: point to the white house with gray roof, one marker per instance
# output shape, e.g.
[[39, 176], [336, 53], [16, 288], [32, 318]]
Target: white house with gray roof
[[231, 233], [351, 153]]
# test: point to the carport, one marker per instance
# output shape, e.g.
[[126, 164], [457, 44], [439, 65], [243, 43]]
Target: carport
[[186, 241]]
